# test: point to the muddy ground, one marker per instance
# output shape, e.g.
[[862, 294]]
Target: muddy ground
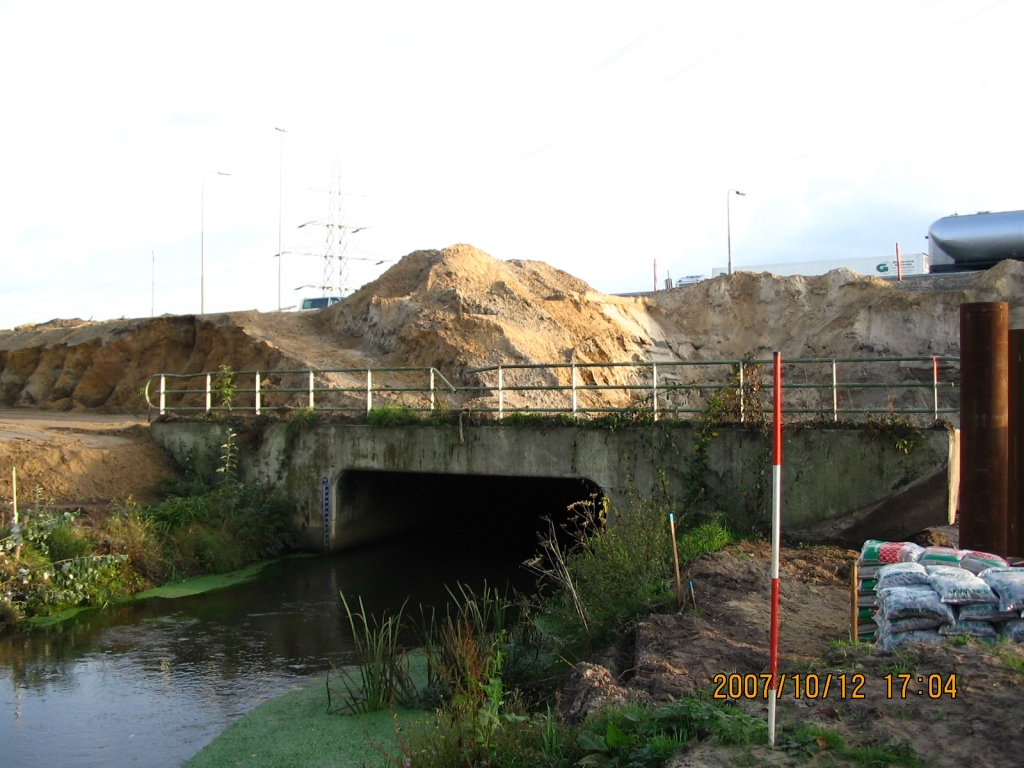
[[668, 656]]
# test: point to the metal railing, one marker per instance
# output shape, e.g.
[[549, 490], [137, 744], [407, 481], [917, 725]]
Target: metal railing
[[652, 386], [658, 388], [223, 384]]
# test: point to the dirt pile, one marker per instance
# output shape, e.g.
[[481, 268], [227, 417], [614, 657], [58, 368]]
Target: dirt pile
[[673, 655], [82, 365], [840, 314], [78, 463], [458, 309]]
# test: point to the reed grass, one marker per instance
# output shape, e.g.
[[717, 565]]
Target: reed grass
[[383, 677]]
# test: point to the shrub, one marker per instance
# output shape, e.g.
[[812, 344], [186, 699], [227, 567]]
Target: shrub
[[54, 568], [216, 529], [131, 533], [614, 573]]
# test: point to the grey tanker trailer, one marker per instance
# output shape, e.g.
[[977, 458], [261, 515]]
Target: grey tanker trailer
[[977, 241]]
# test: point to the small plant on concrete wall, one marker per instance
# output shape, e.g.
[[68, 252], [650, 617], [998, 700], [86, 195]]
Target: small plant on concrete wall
[[229, 459], [903, 435]]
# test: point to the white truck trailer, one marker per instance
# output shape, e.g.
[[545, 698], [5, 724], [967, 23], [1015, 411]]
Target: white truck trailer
[[883, 266]]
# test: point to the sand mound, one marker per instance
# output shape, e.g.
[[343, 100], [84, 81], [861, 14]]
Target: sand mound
[[459, 309], [76, 468]]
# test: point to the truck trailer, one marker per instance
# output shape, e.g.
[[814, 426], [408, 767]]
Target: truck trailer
[[883, 266]]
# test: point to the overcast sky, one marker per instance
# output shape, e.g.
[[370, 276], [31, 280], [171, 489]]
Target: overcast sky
[[595, 135]]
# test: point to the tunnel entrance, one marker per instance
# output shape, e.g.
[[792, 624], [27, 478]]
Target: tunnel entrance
[[466, 511]]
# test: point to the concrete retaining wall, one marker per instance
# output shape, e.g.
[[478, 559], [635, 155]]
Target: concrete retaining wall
[[828, 475]]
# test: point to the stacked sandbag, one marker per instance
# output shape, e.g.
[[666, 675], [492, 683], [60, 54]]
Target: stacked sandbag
[[909, 609], [873, 555], [928, 594], [867, 607], [961, 588], [1008, 586]]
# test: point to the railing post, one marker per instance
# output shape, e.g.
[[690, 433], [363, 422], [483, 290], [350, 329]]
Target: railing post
[[935, 385], [654, 390], [369, 390], [258, 398], [835, 393], [209, 394], [163, 395], [431, 389], [742, 398], [573, 369], [501, 394], [312, 401]]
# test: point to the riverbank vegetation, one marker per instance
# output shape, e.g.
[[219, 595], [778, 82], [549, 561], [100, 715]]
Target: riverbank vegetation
[[495, 663], [57, 559]]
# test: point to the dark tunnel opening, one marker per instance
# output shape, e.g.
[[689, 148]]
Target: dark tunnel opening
[[478, 526]]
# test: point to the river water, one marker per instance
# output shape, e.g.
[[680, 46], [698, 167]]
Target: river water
[[151, 683]]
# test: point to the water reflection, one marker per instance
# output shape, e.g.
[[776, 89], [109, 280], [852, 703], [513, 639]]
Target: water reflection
[[151, 683]]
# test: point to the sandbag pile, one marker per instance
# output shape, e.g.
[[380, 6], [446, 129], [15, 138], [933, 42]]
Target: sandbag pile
[[909, 593]]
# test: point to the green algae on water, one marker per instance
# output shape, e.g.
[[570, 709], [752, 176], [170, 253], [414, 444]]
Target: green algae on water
[[295, 730], [199, 584]]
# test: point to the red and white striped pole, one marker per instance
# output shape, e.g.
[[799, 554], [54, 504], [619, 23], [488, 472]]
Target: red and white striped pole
[[773, 653]]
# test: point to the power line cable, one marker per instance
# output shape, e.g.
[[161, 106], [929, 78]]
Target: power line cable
[[720, 49], [506, 36]]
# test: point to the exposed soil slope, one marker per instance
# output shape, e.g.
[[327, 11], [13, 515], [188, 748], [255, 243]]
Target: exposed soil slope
[[82, 461], [457, 309]]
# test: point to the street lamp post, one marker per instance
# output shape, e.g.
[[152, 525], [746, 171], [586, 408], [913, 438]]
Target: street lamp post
[[280, 174], [728, 222], [202, 240]]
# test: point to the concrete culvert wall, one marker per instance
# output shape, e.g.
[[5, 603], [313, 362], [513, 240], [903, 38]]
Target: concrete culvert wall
[[838, 484], [474, 510]]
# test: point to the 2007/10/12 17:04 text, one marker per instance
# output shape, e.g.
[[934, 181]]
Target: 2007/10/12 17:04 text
[[815, 686]]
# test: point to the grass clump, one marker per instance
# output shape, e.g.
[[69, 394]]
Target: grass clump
[[807, 742], [632, 736], [1010, 654], [642, 736], [392, 416], [618, 569], [536, 419], [703, 539], [384, 677]]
